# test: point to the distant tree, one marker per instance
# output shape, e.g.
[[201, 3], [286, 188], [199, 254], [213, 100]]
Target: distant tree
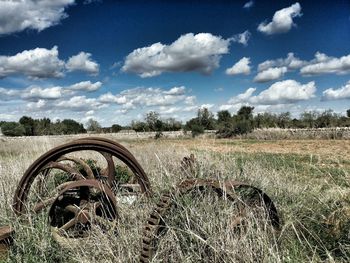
[[206, 119], [28, 124], [139, 126], [283, 120], [116, 128], [152, 119], [224, 116], [69, 126], [12, 129], [93, 126], [309, 118], [348, 113], [245, 112]]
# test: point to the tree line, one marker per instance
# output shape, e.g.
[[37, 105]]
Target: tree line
[[225, 123]]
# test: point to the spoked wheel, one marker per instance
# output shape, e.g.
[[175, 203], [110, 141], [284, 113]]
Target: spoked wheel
[[200, 216], [56, 159], [79, 206], [80, 192]]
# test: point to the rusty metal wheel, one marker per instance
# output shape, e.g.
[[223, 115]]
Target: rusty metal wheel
[[54, 158], [78, 207], [239, 194]]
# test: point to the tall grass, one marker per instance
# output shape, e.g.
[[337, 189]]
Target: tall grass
[[311, 193]]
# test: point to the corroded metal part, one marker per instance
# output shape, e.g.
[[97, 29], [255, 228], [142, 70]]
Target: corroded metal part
[[76, 175], [109, 171], [86, 210], [84, 165], [155, 223], [53, 155], [6, 239]]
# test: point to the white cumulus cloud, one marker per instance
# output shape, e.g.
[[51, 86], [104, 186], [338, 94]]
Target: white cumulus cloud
[[18, 15], [337, 94], [86, 86], [282, 20], [249, 4], [241, 67], [201, 52], [270, 74], [82, 62], [281, 92], [323, 64], [36, 63], [291, 62], [242, 38]]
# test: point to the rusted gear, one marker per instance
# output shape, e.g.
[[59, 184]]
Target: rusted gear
[[77, 205], [6, 239], [155, 224], [50, 159]]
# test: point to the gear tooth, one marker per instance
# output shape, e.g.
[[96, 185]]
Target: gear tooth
[[153, 221]]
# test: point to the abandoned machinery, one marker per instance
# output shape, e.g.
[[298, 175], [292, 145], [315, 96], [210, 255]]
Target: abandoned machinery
[[77, 194]]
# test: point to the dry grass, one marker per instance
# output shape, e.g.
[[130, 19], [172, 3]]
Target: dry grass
[[308, 181]]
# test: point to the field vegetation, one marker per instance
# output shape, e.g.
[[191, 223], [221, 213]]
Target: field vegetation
[[308, 181]]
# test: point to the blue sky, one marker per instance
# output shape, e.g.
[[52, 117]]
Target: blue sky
[[116, 60]]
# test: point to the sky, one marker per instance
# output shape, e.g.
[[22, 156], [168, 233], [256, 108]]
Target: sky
[[114, 61]]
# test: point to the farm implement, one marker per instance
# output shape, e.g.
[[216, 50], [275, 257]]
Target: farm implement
[[69, 184]]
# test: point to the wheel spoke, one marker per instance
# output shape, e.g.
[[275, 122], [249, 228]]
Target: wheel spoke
[[71, 223], [85, 166], [109, 171], [75, 174]]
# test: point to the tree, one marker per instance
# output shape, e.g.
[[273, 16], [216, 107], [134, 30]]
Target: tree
[[151, 119], [28, 124], [116, 128], [206, 119], [283, 120], [224, 116], [348, 113], [12, 129], [72, 127], [93, 126], [245, 112]]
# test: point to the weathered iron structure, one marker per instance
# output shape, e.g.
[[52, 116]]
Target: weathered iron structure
[[89, 198]]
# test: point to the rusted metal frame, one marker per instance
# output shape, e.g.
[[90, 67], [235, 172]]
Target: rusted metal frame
[[155, 222], [81, 215], [84, 165], [23, 188], [110, 172]]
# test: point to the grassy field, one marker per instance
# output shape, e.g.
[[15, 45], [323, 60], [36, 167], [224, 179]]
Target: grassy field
[[308, 181]]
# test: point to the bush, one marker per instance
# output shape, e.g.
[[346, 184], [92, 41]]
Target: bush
[[196, 129], [12, 129]]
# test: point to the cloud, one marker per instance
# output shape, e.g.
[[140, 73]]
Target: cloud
[[45, 63], [80, 103], [270, 74], [35, 63], [242, 38], [16, 16], [337, 94], [241, 67], [323, 64], [281, 92], [176, 91], [35, 106], [86, 86], [110, 98], [34, 92], [282, 20], [248, 5], [243, 97], [131, 99], [291, 62], [201, 53], [82, 62]]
